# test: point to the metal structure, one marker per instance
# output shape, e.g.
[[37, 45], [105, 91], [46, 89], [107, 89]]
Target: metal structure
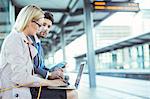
[[127, 42], [67, 14]]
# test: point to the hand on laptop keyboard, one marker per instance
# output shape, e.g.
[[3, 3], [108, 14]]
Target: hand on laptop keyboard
[[57, 82], [65, 79]]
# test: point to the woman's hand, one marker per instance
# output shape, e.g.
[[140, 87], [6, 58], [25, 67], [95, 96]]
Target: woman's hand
[[57, 82]]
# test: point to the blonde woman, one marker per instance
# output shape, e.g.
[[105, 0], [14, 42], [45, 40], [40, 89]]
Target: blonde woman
[[16, 55]]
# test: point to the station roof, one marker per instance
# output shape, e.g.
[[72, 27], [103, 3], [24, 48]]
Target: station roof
[[124, 43], [68, 14]]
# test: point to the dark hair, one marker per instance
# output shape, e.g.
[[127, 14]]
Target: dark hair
[[49, 15]]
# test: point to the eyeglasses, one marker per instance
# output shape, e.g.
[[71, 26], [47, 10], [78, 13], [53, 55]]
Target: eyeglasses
[[39, 25]]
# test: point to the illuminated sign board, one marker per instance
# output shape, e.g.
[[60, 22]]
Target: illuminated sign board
[[116, 6]]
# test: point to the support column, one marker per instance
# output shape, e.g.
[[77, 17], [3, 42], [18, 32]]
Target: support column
[[149, 55], [11, 13], [114, 59], [130, 58], [63, 44], [88, 23], [140, 57]]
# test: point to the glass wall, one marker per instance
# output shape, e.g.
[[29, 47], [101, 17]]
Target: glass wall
[[146, 56], [133, 58]]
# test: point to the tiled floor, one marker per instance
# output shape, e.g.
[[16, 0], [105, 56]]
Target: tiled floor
[[113, 88]]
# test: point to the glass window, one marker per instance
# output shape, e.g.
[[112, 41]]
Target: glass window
[[147, 56]]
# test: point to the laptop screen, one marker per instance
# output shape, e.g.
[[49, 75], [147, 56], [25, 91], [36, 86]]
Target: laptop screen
[[79, 76]]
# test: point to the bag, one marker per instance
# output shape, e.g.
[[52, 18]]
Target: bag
[[48, 93]]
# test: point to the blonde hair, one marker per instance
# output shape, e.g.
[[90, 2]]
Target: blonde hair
[[27, 14]]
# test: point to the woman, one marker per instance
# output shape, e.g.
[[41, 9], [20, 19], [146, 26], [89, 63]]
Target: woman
[[16, 55]]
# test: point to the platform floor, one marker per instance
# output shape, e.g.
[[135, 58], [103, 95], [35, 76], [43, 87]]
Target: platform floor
[[113, 88]]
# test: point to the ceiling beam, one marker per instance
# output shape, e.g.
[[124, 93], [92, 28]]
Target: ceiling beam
[[77, 28], [77, 12], [57, 10], [3, 9], [72, 23], [4, 23], [76, 34], [66, 16], [67, 31]]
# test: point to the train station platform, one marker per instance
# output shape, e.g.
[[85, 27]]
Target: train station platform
[[113, 88]]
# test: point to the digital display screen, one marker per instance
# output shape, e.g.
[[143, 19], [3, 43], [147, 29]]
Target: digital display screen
[[116, 6]]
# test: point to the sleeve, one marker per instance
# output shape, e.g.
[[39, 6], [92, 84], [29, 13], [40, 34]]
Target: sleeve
[[18, 62], [41, 71]]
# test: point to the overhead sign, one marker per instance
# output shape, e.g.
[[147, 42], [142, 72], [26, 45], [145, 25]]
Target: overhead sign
[[116, 6]]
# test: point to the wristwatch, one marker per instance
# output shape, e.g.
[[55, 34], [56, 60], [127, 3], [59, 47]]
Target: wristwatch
[[49, 74]]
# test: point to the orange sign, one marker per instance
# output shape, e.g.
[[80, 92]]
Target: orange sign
[[116, 6]]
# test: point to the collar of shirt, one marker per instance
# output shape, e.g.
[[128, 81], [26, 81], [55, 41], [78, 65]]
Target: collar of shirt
[[37, 40]]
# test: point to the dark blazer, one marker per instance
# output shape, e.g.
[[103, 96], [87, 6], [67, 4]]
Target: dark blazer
[[41, 70]]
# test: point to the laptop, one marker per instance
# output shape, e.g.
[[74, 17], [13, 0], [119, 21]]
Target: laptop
[[77, 81]]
